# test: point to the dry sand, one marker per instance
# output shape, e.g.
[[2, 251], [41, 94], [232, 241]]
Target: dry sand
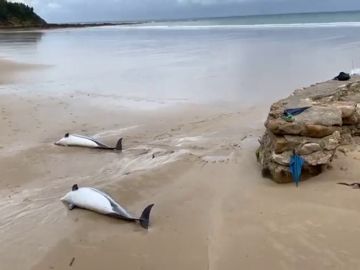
[[213, 210]]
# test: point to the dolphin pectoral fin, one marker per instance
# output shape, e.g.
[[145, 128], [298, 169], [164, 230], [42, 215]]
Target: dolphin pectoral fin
[[71, 206]]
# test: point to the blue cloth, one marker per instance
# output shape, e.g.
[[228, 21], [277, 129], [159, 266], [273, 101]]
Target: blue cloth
[[296, 165], [295, 111]]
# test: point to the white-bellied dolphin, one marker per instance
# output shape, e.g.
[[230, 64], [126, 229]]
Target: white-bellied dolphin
[[100, 202], [84, 141]]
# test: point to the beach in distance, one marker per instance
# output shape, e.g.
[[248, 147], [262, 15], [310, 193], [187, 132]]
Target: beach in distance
[[189, 98]]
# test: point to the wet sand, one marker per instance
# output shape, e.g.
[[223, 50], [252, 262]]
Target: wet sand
[[213, 209], [8, 69]]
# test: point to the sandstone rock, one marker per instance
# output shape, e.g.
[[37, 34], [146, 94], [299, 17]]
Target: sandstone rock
[[346, 138], [331, 142], [279, 126], [354, 118], [317, 131], [321, 115], [283, 158], [318, 158], [347, 108], [309, 148], [354, 87], [316, 134], [280, 144], [297, 140], [279, 173], [282, 174]]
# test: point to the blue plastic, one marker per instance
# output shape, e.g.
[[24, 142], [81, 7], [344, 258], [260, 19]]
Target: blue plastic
[[296, 165], [295, 111]]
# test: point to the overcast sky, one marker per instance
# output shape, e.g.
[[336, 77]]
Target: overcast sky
[[102, 10]]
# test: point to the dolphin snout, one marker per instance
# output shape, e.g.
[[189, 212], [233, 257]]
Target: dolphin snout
[[57, 143]]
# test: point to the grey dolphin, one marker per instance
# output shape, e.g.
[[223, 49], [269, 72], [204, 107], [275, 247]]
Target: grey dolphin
[[101, 202], [85, 141]]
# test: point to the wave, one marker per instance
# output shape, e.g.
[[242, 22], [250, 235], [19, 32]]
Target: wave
[[355, 71], [241, 26]]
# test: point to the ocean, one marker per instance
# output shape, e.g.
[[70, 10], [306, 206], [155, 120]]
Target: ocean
[[242, 60], [323, 19]]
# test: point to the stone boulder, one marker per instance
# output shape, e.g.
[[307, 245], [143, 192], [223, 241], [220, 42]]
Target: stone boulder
[[333, 119]]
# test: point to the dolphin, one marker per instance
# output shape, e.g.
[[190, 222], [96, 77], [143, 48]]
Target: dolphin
[[84, 141], [98, 201]]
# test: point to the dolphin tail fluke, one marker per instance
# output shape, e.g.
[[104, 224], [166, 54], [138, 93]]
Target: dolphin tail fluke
[[145, 217], [119, 145]]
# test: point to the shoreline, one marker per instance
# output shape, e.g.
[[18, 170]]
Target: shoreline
[[50, 26]]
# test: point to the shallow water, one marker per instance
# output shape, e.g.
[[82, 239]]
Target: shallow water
[[141, 67]]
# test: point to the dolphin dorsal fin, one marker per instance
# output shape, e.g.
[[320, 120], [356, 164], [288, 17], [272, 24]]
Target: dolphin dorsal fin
[[75, 187]]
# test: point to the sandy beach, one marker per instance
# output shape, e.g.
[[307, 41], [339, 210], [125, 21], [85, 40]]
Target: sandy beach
[[213, 209]]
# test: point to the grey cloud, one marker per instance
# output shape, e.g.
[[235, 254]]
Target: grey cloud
[[104, 10], [210, 2]]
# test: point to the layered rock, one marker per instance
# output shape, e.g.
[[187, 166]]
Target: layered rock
[[332, 120]]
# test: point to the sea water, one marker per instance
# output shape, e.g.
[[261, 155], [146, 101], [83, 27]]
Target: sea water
[[245, 60]]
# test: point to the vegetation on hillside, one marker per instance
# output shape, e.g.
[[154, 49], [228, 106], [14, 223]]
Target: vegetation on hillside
[[18, 15]]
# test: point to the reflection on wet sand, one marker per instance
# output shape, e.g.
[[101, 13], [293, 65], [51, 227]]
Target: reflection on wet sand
[[10, 70], [20, 37]]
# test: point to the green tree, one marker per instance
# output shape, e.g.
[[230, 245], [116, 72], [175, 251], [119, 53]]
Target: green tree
[[18, 14]]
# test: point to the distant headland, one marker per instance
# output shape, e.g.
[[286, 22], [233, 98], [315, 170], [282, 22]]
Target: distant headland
[[18, 15], [21, 16]]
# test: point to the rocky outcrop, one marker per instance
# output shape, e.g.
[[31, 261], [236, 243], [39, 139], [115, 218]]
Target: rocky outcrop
[[333, 119]]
